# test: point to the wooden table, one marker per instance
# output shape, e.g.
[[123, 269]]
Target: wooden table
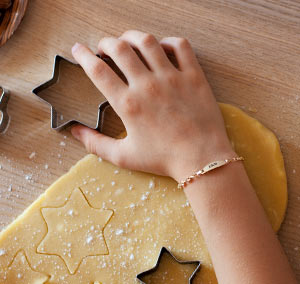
[[250, 51]]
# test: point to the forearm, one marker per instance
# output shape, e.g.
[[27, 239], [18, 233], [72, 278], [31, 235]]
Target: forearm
[[242, 244]]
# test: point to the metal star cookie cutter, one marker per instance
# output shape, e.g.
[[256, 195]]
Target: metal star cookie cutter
[[5, 119], [155, 268], [54, 114]]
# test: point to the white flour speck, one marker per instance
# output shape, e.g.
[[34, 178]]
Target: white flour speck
[[151, 184], [32, 155], [119, 191], [28, 177], [89, 239], [119, 232], [144, 197]]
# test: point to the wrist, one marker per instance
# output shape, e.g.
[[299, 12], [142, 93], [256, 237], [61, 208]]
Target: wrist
[[193, 161]]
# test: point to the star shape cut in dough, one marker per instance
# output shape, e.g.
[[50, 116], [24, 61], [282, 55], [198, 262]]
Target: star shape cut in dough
[[19, 271], [168, 269], [75, 231]]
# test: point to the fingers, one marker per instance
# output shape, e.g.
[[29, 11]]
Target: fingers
[[183, 51], [149, 47], [124, 56], [105, 79], [97, 143]]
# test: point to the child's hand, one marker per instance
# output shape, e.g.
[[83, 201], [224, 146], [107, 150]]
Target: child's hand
[[173, 123], [175, 127]]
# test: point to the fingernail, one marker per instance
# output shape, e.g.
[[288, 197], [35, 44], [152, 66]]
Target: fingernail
[[76, 132], [75, 47]]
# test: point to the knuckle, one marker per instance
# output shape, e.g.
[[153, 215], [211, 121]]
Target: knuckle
[[195, 78], [151, 88], [90, 146], [172, 79], [148, 40], [130, 106], [120, 47], [96, 69]]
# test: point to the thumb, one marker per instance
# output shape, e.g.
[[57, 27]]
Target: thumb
[[97, 143]]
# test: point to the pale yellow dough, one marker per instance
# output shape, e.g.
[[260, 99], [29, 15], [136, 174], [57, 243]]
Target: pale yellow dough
[[102, 224]]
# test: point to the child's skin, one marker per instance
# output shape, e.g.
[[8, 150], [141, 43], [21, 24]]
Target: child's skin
[[174, 127]]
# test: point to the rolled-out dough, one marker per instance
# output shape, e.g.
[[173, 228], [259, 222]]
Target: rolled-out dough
[[101, 224]]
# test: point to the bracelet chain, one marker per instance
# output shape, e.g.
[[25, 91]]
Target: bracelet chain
[[207, 168]]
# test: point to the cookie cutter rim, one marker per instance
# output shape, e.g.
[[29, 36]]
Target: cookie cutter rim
[[163, 251], [54, 114], [4, 98]]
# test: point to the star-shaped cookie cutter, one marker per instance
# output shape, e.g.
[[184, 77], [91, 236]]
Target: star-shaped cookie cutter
[[4, 98], [54, 114], [155, 268]]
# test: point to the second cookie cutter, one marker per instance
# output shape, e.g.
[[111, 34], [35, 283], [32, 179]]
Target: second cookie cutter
[[155, 268], [4, 98], [54, 115]]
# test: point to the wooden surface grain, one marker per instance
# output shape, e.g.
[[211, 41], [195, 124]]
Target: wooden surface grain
[[250, 51]]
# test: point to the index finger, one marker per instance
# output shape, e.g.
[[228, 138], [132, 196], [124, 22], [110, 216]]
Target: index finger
[[104, 78]]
